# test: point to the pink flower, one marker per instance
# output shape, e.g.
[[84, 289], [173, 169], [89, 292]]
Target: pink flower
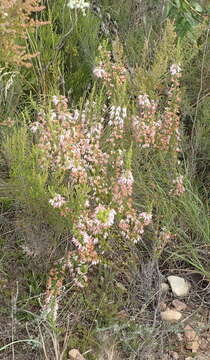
[[147, 217], [34, 127], [58, 201], [55, 100], [99, 72], [174, 69], [144, 101]]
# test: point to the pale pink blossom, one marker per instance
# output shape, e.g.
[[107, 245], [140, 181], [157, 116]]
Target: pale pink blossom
[[99, 72], [34, 127], [58, 201], [179, 186], [144, 101], [147, 217], [175, 69]]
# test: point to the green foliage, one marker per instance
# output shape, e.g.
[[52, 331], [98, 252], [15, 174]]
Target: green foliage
[[28, 183], [187, 15]]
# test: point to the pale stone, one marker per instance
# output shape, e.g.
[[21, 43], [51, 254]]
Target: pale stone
[[164, 288], [74, 354], [179, 286], [171, 315]]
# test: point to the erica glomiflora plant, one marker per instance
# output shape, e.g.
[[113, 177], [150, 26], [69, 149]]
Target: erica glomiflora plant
[[157, 128], [85, 153], [113, 74], [16, 19]]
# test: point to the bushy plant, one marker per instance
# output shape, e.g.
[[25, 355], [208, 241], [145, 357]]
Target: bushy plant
[[15, 20]]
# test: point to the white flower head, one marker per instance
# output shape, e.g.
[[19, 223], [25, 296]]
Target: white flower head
[[99, 72], [144, 101], [79, 4], [175, 69], [58, 201], [34, 127]]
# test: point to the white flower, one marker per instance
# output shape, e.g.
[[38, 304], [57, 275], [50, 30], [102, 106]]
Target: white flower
[[174, 69], [117, 116], [144, 100], [126, 179], [55, 100], [147, 217], [99, 72], [57, 201], [34, 127], [79, 4]]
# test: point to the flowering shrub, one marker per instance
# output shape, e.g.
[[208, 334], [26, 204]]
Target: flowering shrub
[[113, 75], [85, 151], [156, 129]]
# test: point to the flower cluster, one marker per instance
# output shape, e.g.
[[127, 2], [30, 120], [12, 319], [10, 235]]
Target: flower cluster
[[175, 69], [179, 188], [113, 75], [159, 128], [79, 4], [58, 201], [72, 147], [146, 125]]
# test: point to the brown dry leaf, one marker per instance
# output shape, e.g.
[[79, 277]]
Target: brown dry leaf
[[192, 340], [122, 314]]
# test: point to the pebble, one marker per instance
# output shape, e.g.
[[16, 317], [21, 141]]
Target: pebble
[[171, 315], [74, 354], [164, 288], [179, 286]]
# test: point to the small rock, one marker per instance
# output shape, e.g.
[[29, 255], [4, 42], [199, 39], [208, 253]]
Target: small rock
[[179, 305], [179, 286], [164, 288], [74, 354], [171, 315]]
